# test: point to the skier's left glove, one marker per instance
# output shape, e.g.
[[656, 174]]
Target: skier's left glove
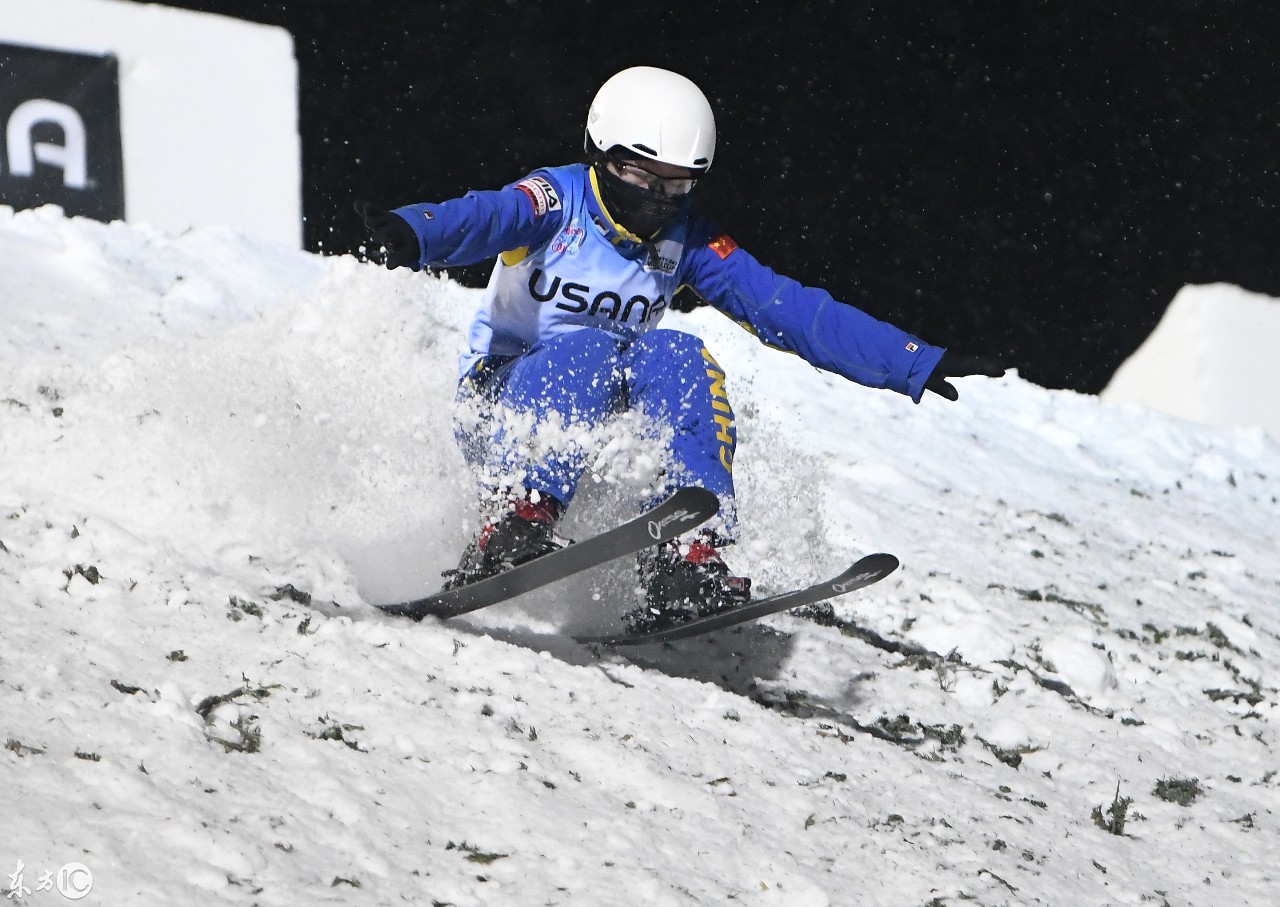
[[954, 365], [393, 233]]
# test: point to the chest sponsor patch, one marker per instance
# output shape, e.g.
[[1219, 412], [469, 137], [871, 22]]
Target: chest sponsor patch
[[569, 240], [664, 256], [541, 194], [723, 245]]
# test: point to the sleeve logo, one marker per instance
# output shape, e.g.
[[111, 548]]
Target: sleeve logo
[[542, 195], [723, 245]]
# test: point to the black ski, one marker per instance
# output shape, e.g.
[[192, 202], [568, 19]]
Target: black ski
[[687, 508], [863, 572]]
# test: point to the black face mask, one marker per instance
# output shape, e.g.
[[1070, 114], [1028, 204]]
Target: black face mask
[[642, 212]]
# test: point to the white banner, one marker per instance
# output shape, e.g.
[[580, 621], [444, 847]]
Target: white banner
[[207, 113]]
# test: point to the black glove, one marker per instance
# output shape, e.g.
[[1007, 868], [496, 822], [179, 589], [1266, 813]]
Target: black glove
[[954, 365], [393, 233]]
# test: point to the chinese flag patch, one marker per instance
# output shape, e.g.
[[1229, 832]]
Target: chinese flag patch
[[722, 245]]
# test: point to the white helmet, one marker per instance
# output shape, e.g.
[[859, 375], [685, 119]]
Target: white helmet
[[656, 113]]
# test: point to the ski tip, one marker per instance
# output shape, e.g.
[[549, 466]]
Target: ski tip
[[414, 610], [871, 568], [699, 497], [882, 561], [398, 609], [685, 509]]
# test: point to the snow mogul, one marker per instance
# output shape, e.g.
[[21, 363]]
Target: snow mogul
[[589, 257]]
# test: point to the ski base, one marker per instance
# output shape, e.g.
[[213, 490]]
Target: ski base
[[684, 510], [862, 573]]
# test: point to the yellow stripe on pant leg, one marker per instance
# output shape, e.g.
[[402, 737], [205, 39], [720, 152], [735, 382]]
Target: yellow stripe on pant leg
[[723, 412]]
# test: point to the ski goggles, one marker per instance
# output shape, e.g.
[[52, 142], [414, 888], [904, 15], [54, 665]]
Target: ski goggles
[[630, 171]]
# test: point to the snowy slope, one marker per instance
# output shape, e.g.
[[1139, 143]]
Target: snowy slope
[[213, 455], [1208, 360]]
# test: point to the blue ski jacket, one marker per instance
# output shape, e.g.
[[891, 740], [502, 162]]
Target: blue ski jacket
[[563, 264]]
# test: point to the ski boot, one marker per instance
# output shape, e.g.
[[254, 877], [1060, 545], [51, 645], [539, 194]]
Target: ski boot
[[526, 532], [684, 581]]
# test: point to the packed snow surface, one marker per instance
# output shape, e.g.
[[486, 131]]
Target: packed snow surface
[[215, 454]]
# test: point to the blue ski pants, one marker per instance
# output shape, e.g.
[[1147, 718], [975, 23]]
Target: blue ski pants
[[583, 378]]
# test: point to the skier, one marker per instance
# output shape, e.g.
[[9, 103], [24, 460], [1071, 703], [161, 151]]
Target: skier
[[589, 256]]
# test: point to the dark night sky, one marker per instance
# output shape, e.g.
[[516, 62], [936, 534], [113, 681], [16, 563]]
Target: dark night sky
[[1030, 180]]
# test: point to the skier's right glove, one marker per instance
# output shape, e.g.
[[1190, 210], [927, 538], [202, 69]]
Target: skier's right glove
[[393, 233], [955, 365]]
